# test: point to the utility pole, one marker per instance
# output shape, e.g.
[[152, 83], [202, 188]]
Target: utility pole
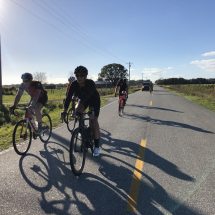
[[0, 76], [129, 72]]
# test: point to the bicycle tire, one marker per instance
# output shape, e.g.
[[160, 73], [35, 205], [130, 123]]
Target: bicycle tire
[[70, 120], [47, 128], [77, 152], [21, 142]]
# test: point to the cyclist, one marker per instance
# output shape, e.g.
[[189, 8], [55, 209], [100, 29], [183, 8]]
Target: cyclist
[[125, 81], [38, 97], [122, 86], [151, 86], [88, 96]]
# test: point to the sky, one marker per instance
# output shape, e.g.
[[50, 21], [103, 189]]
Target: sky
[[160, 38]]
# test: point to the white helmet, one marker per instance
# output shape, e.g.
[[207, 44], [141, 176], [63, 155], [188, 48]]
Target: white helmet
[[71, 79]]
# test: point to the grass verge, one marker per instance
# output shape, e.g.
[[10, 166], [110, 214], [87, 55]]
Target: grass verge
[[204, 100]]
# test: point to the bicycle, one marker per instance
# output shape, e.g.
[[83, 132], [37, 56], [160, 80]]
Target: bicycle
[[81, 141], [70, 118], [150, 89], [121, 103], [22, 134]]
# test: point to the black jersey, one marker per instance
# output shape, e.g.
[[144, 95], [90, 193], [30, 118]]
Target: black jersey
[[86, 93], [32, 89], [122, 86]]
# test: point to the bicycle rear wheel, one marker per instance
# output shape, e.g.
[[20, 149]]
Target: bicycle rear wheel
[[77, 152], [70, 120], [46, 127], [22, 137]]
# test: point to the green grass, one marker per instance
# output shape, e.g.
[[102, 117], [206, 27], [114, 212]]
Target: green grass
[[203, 95]]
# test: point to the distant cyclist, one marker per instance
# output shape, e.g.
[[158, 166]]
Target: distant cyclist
[[125, 81], [151, 86], [38, 97], [71, 79], [88, 96], [122, 86]]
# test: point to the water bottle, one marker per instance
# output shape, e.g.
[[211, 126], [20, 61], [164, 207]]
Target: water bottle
[[33, 123]]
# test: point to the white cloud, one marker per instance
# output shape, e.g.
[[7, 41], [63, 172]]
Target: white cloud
[[208, 65], [153, 71], [169, 68], [177, 76], [209, 54]]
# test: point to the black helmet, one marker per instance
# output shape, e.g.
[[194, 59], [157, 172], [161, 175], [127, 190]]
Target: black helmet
[[27, 76], [81, 69], [121, 81], [125, 80]]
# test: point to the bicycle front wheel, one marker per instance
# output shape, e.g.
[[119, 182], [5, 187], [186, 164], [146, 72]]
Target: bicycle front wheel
[[22, 137], [77, 152], [71, 120], [46, 128]]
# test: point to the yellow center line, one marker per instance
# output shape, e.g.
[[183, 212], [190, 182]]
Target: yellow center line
[[150, 103], [135, 185]]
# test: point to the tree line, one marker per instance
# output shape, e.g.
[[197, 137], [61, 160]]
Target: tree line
[[173, 81]]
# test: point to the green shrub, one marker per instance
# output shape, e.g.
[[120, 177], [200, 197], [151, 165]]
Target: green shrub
[[13, 120], [2, 120], [7, 117], [1, 114], [19, 113], [51, 106], [45, 110], [60, 105], [4, 109]]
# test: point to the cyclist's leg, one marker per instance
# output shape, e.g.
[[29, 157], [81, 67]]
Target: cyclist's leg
[[38, 107]]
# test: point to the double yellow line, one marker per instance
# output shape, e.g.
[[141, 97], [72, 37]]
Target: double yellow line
[[135, 185]]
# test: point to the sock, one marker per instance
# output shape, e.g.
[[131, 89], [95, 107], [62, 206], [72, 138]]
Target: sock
[[96, 141]]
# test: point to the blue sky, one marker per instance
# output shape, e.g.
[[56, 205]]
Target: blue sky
[[162, 38]]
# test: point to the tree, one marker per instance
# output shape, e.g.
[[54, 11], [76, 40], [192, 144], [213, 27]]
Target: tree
[[100, 79], [40, 76], [113, 72]]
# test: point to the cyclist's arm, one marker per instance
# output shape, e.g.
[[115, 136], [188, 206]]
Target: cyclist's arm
[[116, 89], [36, 97], [18, 97], [68, 97]]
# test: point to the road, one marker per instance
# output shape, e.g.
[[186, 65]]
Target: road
[[158, 158]]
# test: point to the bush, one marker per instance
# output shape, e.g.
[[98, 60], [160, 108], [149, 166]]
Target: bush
[[51, 106], [4, 109], [1, 114], [60, 105], [13, 120], [7, 117], [2, 120], [45, 110]]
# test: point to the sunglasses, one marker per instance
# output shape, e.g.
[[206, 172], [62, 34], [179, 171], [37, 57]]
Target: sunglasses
[[25, 81], [81, 75]]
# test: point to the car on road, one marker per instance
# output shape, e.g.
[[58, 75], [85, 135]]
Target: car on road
[[145, 85]]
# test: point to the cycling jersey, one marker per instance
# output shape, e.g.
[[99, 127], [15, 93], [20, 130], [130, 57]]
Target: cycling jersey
[[122, 87], [87, 94], [32, 89]]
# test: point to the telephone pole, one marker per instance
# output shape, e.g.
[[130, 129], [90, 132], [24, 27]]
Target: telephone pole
[[129, 71], [0, 76]]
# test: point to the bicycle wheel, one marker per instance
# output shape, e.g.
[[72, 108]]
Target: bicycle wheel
[[46, 127], [22, 137], [119, 110], [70, 120], [77, 152]]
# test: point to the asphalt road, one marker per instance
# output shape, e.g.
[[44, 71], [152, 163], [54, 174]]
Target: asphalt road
[[170, 136]]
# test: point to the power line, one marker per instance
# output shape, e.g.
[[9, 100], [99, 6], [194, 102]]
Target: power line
[[58, 29], [92, 41]]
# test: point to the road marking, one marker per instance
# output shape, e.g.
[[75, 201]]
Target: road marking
[[135, 185], [150, 103]]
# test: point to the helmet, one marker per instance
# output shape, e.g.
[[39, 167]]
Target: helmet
[[27, 76], [121, 81], [71, 79], [125, 80], [81, 69]]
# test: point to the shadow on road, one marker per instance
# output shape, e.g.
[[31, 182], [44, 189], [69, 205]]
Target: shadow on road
[[62, 193], [154, 108], [165, 122]]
